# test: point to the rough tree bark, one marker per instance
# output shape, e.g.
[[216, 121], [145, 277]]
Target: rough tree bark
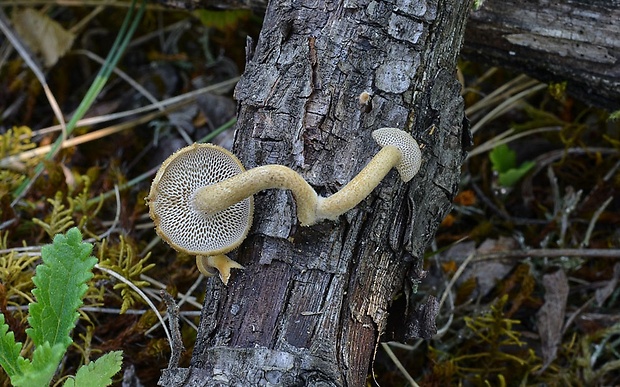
[[313, 302], [577, 41]]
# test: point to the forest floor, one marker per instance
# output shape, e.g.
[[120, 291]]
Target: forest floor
[[526, 266]]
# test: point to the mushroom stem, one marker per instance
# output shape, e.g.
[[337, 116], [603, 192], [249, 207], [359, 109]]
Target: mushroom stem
[[217, 197], [360, 186], [311, 208]]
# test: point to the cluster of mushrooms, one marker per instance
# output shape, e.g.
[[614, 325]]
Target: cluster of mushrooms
[[201, 198]]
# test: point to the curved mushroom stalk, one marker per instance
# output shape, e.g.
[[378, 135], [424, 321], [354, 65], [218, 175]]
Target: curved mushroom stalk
[[399, 150], [220, 262]]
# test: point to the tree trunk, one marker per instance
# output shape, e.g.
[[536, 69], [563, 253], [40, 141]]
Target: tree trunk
[[313, 302], [554, 41]]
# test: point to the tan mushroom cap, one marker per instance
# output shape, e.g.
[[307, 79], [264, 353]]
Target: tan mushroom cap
[[411, 158], [171, 202]]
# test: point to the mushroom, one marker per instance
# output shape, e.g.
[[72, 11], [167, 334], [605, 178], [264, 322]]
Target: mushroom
[[186, 228], [201, 198]]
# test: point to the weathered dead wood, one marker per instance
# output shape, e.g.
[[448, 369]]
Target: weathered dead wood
[[554, 41], [312, 303]]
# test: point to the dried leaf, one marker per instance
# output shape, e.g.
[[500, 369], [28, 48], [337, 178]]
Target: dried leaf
[[488, 273], [550, 317], [42, 34]]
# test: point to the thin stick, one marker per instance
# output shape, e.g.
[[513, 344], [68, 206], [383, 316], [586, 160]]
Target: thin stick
[[506, 105], [177, 343], [550, 253], [595, 216]]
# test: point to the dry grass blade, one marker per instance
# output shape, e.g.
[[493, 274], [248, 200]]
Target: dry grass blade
[[399, 365], [169, 103], [505, 106]]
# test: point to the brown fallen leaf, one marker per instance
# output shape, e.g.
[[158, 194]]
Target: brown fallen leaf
[[489, 272], [42, 34], [550, 317]]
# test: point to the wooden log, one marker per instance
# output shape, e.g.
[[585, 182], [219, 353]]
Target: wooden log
[[553, 41]]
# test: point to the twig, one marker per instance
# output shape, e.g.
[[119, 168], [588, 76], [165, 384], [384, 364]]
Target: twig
[[138, 87], [515, 85], [98, 309], [80, 139], [595, 216], [177, 342], [550, 253], [504, 138], [516, 220]]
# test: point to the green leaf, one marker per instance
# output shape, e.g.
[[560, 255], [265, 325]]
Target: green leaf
[[510, 177], [45, 360], [60, 285], [504, 162], [98, 373], [10, 358], [503, 158]]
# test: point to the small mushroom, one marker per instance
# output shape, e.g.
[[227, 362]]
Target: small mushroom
[[201, 198], [399, 150], [186, 228]]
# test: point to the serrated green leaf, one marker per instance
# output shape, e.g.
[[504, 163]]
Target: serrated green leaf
[[503, 158], [510, 177], [10, 358], [98, 373], [60, 285], [45, 361]]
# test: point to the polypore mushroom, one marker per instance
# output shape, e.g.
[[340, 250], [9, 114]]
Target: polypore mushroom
[[201, 198], [185, 227]]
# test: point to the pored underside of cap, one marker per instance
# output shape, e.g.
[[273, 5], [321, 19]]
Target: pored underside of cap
[[411, 155], [171, 202]]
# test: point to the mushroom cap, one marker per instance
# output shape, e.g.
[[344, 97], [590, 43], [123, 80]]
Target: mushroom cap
[[171, 202], [411, 156]]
